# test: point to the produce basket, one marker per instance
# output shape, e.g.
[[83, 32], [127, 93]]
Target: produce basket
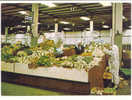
[[103, 91]]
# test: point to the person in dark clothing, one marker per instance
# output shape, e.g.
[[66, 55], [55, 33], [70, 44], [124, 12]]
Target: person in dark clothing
[[79, 48]]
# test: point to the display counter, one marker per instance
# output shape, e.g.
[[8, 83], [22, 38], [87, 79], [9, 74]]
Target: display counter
[[9, 67], [56, 78]]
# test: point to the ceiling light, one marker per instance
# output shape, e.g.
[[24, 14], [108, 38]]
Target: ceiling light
[[51, 30], [49, 4], [85, 18], [105, 4], [66, 29], [22, 12], [105, 26], [63, 22]]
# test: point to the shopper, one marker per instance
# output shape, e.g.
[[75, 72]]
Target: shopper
[[79, 48]]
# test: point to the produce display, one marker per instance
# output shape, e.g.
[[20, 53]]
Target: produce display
[[103, 91], [54, 54], [9, 52], [44, 61], [45, 54]]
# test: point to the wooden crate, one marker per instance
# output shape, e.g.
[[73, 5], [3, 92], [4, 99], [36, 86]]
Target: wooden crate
[[95, 75]]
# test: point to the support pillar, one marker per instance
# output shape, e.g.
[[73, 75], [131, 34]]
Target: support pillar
[[56, 27], [91, 26], [6, 33], [117, 26], [28, 29], [35, 14]]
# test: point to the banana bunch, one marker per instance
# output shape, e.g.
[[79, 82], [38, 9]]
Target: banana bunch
[[33, 60], [21, 53], [67, 63], [97, 91], [80, 64], [86, 54], [23, 60]]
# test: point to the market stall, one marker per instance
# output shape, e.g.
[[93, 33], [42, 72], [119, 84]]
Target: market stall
[[73, 48], [43, 61]]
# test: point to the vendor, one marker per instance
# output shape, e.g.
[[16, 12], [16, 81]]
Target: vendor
[[79, 48], [114, 64]]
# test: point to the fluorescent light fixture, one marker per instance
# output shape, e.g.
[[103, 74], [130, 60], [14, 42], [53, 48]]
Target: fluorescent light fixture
[[49, 4], [105, 4], [63, 22], [22, 12], [85, 18], [105, 26], [51, 30], [66, 29]]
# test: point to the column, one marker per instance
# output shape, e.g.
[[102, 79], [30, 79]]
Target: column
[[56, 27], [35, 14], [28, 29], [6, 33], [91, 26], [117, 26]]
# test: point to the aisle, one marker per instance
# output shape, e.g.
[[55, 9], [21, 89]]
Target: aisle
[[126, 90], [8, 89]]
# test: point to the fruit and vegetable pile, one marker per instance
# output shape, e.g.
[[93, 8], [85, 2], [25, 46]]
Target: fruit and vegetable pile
[[103, 91], [44, 55]]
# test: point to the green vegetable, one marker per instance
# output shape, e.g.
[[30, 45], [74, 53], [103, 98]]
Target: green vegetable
[[74, 58], [29, 52], [6, 53], [44, 61], [34, 41], [109, 90], [21, 53], [58, 44], [13, 59], [88, 59]]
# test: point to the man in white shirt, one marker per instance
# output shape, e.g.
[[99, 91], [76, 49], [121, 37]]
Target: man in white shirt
[[114, 64]]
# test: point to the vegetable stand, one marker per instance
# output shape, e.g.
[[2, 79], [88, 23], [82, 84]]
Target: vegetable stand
[[65, 80]]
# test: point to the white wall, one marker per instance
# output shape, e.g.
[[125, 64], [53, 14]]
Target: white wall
[[74, 37], [105, 36]]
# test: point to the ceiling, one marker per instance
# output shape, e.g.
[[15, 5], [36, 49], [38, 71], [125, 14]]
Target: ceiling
[[70, 12]]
